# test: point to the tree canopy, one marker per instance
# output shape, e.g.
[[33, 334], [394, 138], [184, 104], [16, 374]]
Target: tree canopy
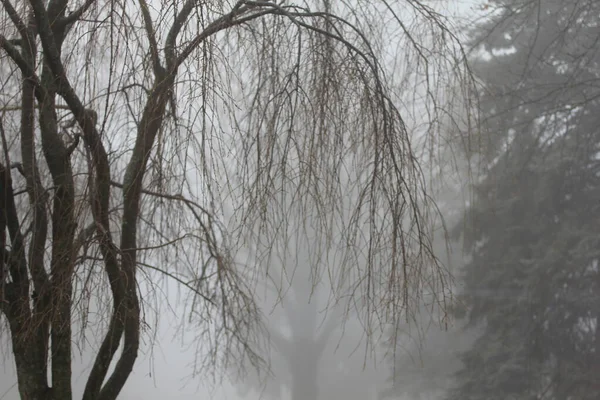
[[532, 231]]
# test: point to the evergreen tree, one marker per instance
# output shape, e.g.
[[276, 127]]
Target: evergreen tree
[[533, 229]]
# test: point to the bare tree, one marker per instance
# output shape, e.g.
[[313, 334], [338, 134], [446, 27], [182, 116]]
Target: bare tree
[[169, 102]]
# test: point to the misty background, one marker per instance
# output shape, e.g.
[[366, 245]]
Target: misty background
[[518, 236]]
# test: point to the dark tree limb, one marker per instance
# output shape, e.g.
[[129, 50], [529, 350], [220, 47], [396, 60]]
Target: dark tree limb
[[16, 19], [36, 191], [62, 264], [159, 70], [17, 265]]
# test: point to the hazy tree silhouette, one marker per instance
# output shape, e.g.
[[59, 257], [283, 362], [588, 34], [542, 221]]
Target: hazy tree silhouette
[[532, 284]]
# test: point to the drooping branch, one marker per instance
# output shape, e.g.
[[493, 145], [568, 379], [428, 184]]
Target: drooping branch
[[234, 18]]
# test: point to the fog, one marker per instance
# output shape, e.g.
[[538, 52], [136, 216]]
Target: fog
[[514, 176]]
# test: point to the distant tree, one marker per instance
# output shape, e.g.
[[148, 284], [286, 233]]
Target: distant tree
[[533, 283], [312, 349], [124, 125], [298, 335]]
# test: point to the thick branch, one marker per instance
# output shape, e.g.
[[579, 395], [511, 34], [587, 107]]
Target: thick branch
[[100, 209], [35, 190], [13, 53], [128, 307], [62, 264], [178, 24], [17, 263], [56, 12], [107, 351], [149, 125], [91, 137], [16, 19], [3, 267], [37, 199], [158, 69]]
